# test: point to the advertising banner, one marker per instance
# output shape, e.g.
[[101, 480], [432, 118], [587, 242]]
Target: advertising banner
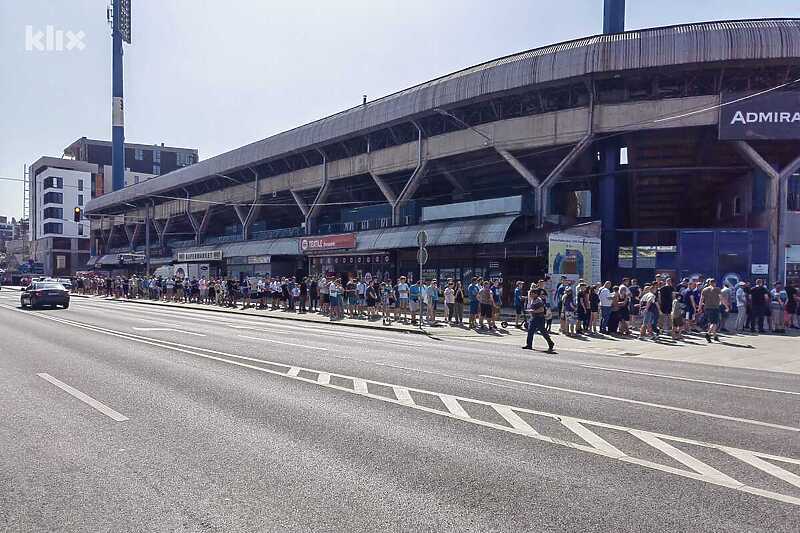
[[574, 256], [327, 242], [773, 115]]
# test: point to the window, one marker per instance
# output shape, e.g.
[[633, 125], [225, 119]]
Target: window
[[54, 228], [157, 170], [80, 229], [80, 185], [54, 198], [793, 193], [719, 210], [623, 156], [80, 199], [61, 262], [53, 182], [156, 156], [185, 159], [54, 212], [138, 154], [737, 206]]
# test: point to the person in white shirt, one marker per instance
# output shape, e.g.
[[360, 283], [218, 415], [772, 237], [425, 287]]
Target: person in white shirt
[[449, 301], [606, 302]]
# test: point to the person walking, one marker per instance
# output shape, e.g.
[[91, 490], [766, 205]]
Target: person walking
[[536, 307], [710, 302]]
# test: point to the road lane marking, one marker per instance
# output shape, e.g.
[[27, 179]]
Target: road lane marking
[[682, 457], [360, 386], [324, 378], [173, 330], [281, 342], [647, 404], [403, 396], [453, 406], [702, 473], [85, 398], [514, 419], [764, 466], [293, 372], [589, 436], [709, 382]]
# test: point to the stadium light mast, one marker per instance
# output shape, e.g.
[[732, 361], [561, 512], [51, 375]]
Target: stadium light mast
[[121, 31], [613, 16]]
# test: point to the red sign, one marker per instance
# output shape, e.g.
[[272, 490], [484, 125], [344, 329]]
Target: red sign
[[328, 242]]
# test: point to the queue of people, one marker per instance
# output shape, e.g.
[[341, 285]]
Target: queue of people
[[659, 307]]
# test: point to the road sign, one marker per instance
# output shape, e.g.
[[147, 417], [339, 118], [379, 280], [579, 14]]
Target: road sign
[[422, 238], [422, 256]]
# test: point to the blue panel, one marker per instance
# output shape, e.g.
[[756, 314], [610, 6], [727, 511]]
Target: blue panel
[[697, 253], [733, 242], [760, 247], [760, 183]]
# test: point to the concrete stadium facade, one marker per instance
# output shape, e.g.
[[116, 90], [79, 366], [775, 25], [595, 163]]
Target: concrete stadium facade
[[622, 130]]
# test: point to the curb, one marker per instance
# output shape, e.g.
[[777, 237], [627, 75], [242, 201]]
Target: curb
[[218, 310]]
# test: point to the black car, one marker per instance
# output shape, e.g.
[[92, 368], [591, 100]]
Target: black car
[[41, 293]]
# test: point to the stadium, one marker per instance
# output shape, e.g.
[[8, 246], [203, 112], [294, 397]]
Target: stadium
[[671, 149]]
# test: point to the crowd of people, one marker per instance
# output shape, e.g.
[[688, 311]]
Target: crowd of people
[[661, 307], [425, 302]]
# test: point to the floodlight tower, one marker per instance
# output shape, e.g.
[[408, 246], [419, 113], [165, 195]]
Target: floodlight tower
[[121, 31]]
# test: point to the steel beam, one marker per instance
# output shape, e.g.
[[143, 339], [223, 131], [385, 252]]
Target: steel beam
[[322, 194], [543, 201], [776, 204], [387, 191], [523, 171], [301, 203], [413, 181]]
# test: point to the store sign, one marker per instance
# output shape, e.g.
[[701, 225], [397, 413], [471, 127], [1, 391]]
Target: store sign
[[211, 255], [774, 115], [574, 256], [328, 242], [757, 268], [258, 259]]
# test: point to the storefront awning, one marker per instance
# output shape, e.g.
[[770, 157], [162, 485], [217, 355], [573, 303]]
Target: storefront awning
[[288, 246], [476, 231]]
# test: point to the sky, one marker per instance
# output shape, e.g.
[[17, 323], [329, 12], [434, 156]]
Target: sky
[[218, 74]]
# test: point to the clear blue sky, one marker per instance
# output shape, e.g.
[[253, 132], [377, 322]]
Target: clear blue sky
[[216, 74]]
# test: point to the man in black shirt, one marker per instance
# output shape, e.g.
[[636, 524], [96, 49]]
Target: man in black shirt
[[759, 301], [665, 304]]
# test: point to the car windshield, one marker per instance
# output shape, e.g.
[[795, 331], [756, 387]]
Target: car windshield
[[49, 285]]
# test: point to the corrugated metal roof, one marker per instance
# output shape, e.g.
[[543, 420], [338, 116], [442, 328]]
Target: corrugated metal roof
[[476, 231], [650, 48]]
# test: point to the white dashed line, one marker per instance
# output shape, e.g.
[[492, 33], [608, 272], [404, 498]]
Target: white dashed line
[[85, 398]]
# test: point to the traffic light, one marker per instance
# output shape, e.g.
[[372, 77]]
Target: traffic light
[[77, 214]]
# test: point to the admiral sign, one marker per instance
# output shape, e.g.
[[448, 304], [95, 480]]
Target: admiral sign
[[328, 242], [774, 115]]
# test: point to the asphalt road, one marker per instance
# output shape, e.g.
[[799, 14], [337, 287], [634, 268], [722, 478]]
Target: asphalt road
[[125, 417]]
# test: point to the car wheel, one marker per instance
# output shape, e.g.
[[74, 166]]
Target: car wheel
[[66, 305]]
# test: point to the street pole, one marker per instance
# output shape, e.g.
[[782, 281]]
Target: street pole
[[117, 107], [147, 240]]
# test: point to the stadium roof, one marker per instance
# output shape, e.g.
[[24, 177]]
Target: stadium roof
[[685, 44]]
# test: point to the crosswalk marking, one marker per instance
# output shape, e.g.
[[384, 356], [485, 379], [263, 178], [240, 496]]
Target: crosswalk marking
[[697, 469]]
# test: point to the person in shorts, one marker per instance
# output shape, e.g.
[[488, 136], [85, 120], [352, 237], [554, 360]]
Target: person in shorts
[[403, 297], [676, 315], [710, 301], [486, 301]]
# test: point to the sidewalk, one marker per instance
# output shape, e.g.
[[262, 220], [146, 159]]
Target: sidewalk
[[776, 353]]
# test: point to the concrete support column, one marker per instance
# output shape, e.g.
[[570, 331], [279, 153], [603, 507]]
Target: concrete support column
[[301, 203]]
